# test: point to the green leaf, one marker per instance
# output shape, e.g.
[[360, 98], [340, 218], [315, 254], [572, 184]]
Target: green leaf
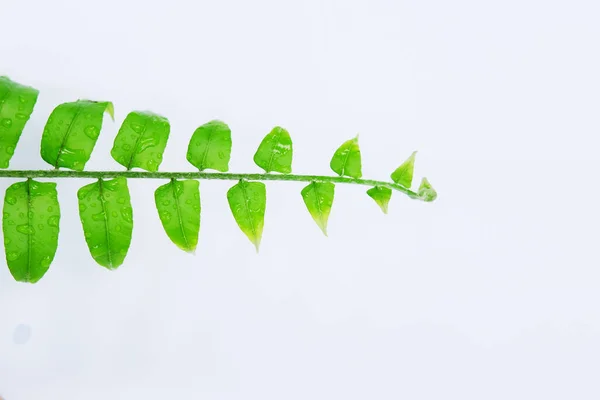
[[141, 141], [382, 196], [178, 205], [107, 218], [16, 105], [275, 152], [210, 147], [426, 191], [30, 224], [71, 133], [346, 160], [248, 201], [318, 197], [403, 175]]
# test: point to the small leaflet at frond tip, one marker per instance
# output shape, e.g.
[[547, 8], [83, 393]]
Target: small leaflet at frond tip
[[382, 196], [403, 175], [426, 192]]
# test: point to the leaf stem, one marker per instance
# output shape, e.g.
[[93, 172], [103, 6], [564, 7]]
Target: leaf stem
[[56, 173]]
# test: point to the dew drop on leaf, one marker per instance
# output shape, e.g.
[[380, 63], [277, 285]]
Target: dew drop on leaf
[[6, 122], [53, 221], [11, 256], [11, 200]]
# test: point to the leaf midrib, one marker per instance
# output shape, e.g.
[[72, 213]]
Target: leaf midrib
[[248, 211], [29, 231], [107, 233], [135, 147], [179, 219], [66, 136]]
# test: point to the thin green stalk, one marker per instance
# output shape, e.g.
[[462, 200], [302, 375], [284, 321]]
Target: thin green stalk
[[201, 175]]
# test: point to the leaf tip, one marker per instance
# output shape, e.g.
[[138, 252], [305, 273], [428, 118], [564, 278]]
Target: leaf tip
[[110, 109]]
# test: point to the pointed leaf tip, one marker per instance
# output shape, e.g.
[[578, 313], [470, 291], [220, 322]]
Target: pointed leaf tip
[[403, 175], [382, 196], [110, 109], [426, 191], [247, 201], [318, 197], [275, 152]]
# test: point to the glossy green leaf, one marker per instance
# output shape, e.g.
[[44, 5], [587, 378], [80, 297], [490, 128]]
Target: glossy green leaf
[[275, 152], [16, 105], [30, 224], [426, 191], [403, 175], [318, 197], [382, 196], [141, 141], [346, 160], [72, 131], [178, 205], [248, 201], [210, 147], [107, 218]]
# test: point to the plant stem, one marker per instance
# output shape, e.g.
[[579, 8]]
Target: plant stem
[[201, 175]]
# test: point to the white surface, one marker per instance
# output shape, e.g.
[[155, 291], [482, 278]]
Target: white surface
[[491, 292]]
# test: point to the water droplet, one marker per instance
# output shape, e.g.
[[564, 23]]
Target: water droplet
[[91, 131], [21, 116], [188, 201], [53, 221], [40, 226], [164, 203], [166, 216], [25, 229], [137, 128], [46, 261], [93, 205], [10, 150], [21, 215], [50, 208], [118, 228], [10, 222], [82, 207], [121, 200], [6, 215], [126, 147], [114, 214], [11, 200], [127, 214], [98, 216], [12, 255], [221, 155], [6, 122]]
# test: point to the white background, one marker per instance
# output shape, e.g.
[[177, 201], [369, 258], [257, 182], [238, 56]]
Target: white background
[[491, 292]]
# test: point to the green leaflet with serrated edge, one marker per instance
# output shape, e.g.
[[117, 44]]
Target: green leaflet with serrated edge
[[247, 201], [178, 206], [426, 191], [346, 160], [141, 141], [72, 131], [318, 197], [403, 175], [382, 196], [275, 152], [30, 224], [210, 147], [16, 105], [107, 218]]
